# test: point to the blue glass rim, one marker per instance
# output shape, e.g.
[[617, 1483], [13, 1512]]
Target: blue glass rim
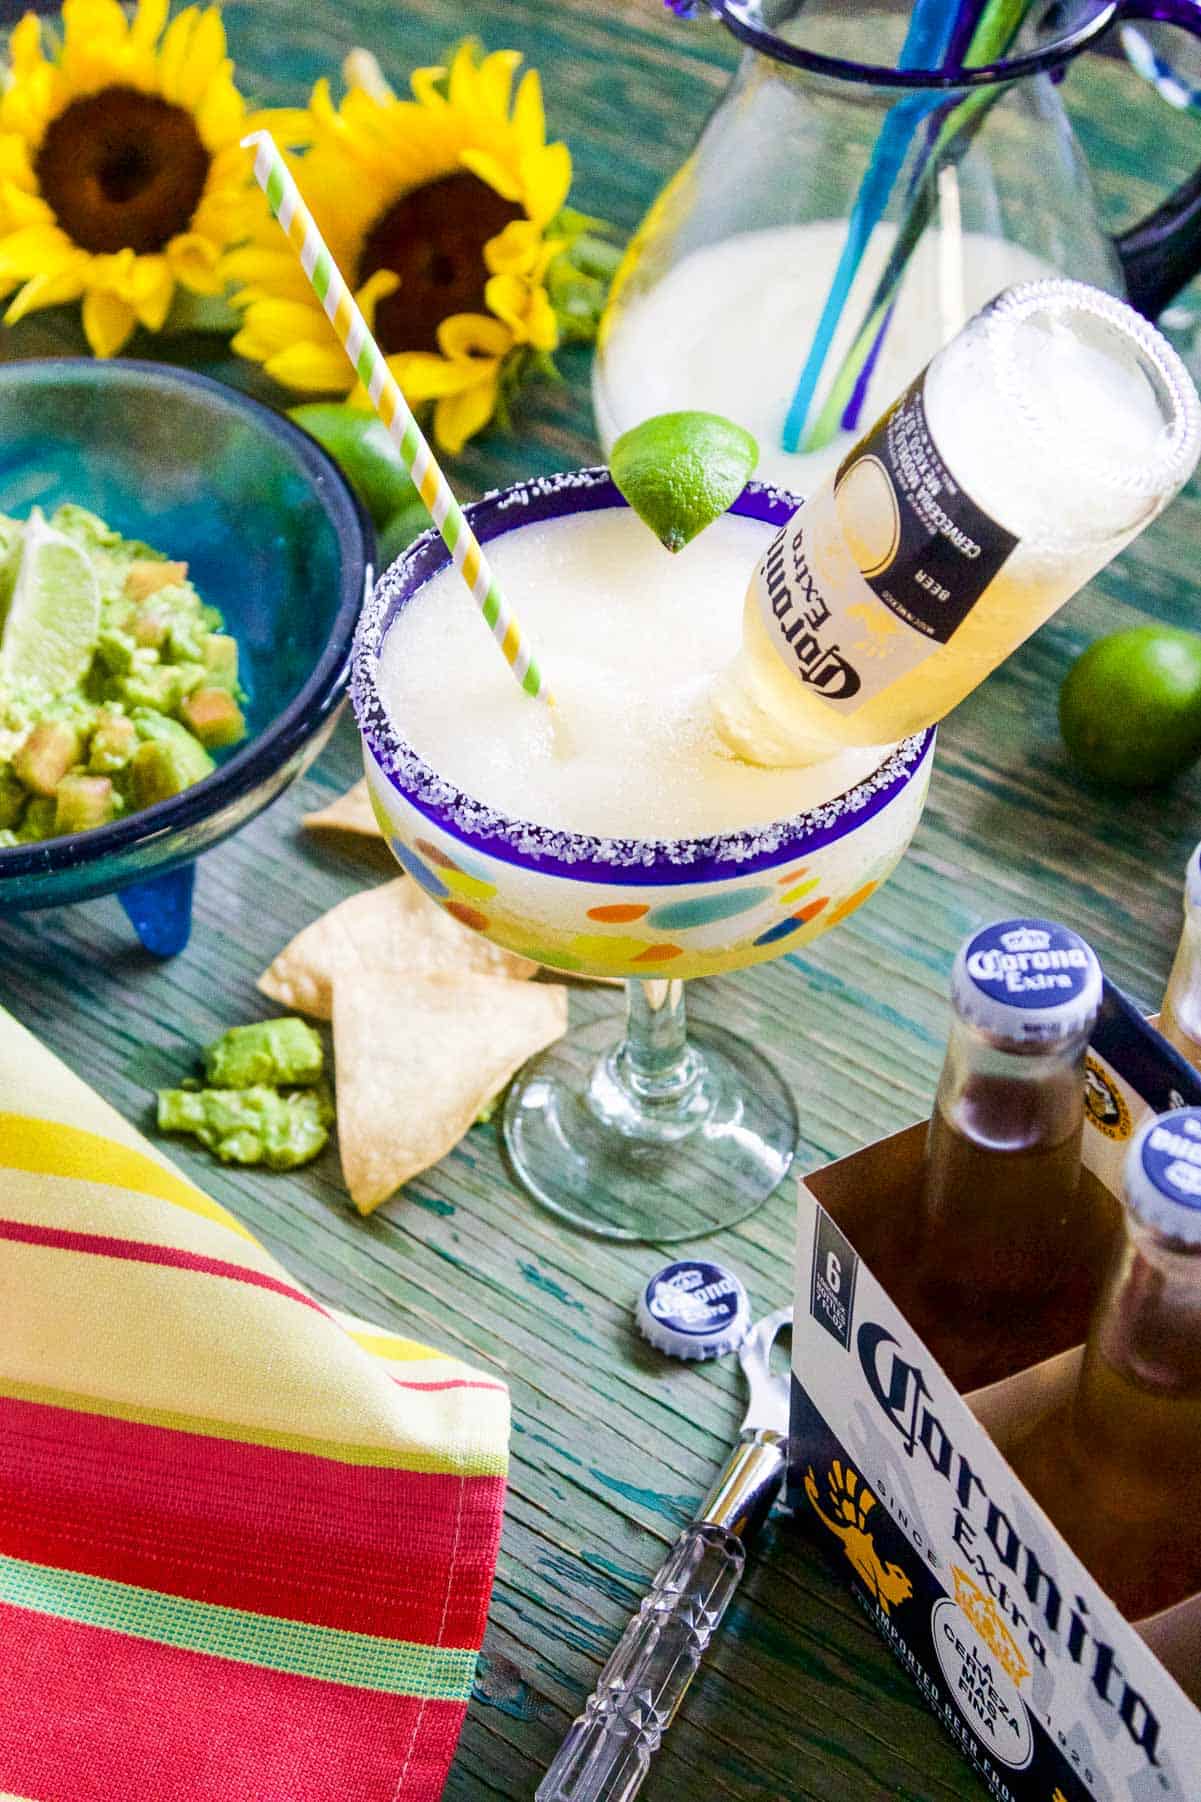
[[586, 857], [741, 18], [321, 693]]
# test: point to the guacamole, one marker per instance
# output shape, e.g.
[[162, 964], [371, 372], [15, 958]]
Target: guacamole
[[262, 1100], [117, 682]]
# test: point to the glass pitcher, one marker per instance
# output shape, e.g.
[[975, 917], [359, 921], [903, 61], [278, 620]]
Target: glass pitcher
[[760, 285]]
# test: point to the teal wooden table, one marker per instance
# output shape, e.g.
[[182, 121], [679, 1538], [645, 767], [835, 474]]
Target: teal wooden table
[[611, 1446]]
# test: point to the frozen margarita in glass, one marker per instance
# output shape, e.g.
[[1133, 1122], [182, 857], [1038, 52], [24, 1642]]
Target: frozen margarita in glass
[[641, 847]]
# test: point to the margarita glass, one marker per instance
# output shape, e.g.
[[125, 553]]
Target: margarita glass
[[659, 1133]]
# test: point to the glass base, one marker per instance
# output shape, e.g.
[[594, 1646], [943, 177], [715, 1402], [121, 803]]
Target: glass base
[[674, 1164]]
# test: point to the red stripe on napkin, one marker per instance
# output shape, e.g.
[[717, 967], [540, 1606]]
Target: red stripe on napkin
[[248, 1526], [140, 1251], [105, 1717]]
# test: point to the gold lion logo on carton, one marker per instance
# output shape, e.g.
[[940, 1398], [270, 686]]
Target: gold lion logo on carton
[[1104, 1103], [887, 1582], [985, 1617]]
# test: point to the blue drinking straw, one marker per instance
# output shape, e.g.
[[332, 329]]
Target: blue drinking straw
[[962, 32], [931, 27]]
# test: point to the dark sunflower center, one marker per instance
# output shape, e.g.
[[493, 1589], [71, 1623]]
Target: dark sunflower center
[[122, 170], [433, 238]]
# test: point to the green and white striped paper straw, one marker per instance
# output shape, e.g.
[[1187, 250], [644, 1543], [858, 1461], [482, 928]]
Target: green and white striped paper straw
[[332, 290]]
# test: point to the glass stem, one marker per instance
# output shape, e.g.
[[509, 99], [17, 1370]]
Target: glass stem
[[655, 1063]]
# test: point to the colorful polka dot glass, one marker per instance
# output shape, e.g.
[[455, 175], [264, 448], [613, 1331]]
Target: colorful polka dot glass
[[661, 1135]]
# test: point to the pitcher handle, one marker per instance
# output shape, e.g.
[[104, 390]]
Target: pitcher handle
[[1163, 251]]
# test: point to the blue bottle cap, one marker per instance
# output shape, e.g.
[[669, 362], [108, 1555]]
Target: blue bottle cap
[[1027, 982], [1163, 1174], [693, 1309]]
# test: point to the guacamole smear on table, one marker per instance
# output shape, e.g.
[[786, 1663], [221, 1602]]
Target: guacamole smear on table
[[117, 682]]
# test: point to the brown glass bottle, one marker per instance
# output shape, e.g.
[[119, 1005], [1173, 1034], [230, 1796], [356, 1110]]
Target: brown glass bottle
[[1116, 1466], [1011, 1238], [1180, 1014]]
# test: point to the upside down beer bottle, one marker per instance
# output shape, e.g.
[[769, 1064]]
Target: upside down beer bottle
[[1116, 1467], [1012, 1242], [1180, 1015]]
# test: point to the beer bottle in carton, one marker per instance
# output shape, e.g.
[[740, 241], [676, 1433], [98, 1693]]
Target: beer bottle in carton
[[1180, 1015], [1116, 1467], [1012, 1237]]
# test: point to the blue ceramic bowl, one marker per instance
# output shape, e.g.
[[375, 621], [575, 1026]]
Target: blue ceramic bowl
[[272, 536]]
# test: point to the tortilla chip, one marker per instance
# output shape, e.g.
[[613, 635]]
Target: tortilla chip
[[416, 1059], [351, 812], [395, 928]]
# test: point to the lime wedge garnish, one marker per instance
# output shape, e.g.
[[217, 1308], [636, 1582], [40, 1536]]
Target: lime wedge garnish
[[54, 616], [680, 471]]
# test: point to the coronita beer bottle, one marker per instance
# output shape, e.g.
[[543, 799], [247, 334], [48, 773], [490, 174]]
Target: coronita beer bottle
[[1010, 1242], [1180, 1015], [1036, 444], [1116, 1467]]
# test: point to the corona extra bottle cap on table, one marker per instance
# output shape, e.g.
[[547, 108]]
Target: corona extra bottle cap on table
[[1163, 1175], [1027, 982], [693, 1309]]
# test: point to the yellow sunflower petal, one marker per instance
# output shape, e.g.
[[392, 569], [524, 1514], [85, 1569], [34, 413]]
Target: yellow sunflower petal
[[279, 324], [48, 291], [173, 53], [25, 47], [377, 287], [97, 24], [219, 114], [107, 321], [35, 250], [546, 177], [426, 84], [463, 89], [529, 115], [195, 261], [19, 208], [290, 126], [424, 376], [206, 57], [312, 368], [524, 309], [473, 335], [515, 250], [460, 416], [152, 290], [496, 81], [491, 170], [148, 22]]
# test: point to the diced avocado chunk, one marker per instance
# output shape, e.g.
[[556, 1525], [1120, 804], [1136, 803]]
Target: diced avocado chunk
[[213, 716], [250, 1126], [221, 661], [167, 761], [13, 796], [46, 755], [114, 741], [155, 686], [82, 802], [279, 1052], [115, 649], [37, 822]]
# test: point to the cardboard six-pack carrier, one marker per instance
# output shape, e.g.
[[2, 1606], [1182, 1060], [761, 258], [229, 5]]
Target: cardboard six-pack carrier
[[1023, 1658]]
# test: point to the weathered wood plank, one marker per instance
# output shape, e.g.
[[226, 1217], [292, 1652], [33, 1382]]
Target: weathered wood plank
[[611, 1447]]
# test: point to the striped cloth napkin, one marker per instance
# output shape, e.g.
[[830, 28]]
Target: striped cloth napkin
[[246, 1545]]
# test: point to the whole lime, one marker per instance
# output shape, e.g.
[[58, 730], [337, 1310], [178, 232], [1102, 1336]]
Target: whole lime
[[1130, 706], [359, 444], [400, 532]]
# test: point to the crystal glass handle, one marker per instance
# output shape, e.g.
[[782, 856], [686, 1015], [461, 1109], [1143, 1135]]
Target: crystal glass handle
[[608, 1750]]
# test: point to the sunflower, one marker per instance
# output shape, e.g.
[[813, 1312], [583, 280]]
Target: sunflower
[[121, 178], [447, 214]]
